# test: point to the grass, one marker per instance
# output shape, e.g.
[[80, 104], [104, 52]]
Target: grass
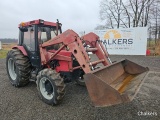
[[151, 43], [154, 48], [8, 46], [5, 49], [3, 53]]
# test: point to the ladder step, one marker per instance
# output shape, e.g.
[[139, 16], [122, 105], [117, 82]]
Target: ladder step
[[91, 49], [96, 62]]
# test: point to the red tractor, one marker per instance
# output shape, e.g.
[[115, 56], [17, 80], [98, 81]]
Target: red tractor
[[51, 58]]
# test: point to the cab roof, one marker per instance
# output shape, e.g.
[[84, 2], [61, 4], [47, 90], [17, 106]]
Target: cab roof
[[36, 22]]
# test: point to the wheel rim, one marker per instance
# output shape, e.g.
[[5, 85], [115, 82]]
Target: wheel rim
[[46, 88], [12, 69]]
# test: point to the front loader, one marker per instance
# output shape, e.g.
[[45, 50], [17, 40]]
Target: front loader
[[51, 58]]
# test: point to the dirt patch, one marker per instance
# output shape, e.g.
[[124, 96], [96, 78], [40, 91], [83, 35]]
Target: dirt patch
[[24, 104]]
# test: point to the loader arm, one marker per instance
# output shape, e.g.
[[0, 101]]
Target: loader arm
[[71, 41]]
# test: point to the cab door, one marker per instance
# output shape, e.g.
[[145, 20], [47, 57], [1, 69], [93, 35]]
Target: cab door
[[30, 41]]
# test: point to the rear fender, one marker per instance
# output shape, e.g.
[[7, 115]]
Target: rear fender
[[21, 48]]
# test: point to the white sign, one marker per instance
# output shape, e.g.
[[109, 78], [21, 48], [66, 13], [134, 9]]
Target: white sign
[[124, 41]]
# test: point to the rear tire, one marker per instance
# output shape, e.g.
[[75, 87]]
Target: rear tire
[[50, 86], [18, 68]]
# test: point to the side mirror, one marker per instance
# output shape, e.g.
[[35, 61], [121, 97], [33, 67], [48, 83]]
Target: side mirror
[[23, 29]]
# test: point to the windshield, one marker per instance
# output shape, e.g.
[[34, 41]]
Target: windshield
[[46, 33]]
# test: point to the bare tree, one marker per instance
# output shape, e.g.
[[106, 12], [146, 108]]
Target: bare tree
[[110, 11], [155, 19], [141, 11], [128, 15], [133, 13]]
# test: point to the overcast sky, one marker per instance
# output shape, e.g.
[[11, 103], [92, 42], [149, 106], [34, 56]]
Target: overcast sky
[[79, 15]]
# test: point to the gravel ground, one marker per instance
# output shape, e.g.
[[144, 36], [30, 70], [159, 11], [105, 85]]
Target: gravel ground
[[24, 104]]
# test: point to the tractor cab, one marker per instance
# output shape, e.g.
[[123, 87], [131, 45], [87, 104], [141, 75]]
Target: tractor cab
[[34, 33]]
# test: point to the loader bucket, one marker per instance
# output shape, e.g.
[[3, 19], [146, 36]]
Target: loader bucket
[[115, 84]]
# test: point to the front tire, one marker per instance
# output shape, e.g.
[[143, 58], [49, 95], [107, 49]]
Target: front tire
[[18, 68], [50, 86], [80, 81]]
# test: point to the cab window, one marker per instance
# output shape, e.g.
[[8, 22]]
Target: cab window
[[28, 39], [47, 33]]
